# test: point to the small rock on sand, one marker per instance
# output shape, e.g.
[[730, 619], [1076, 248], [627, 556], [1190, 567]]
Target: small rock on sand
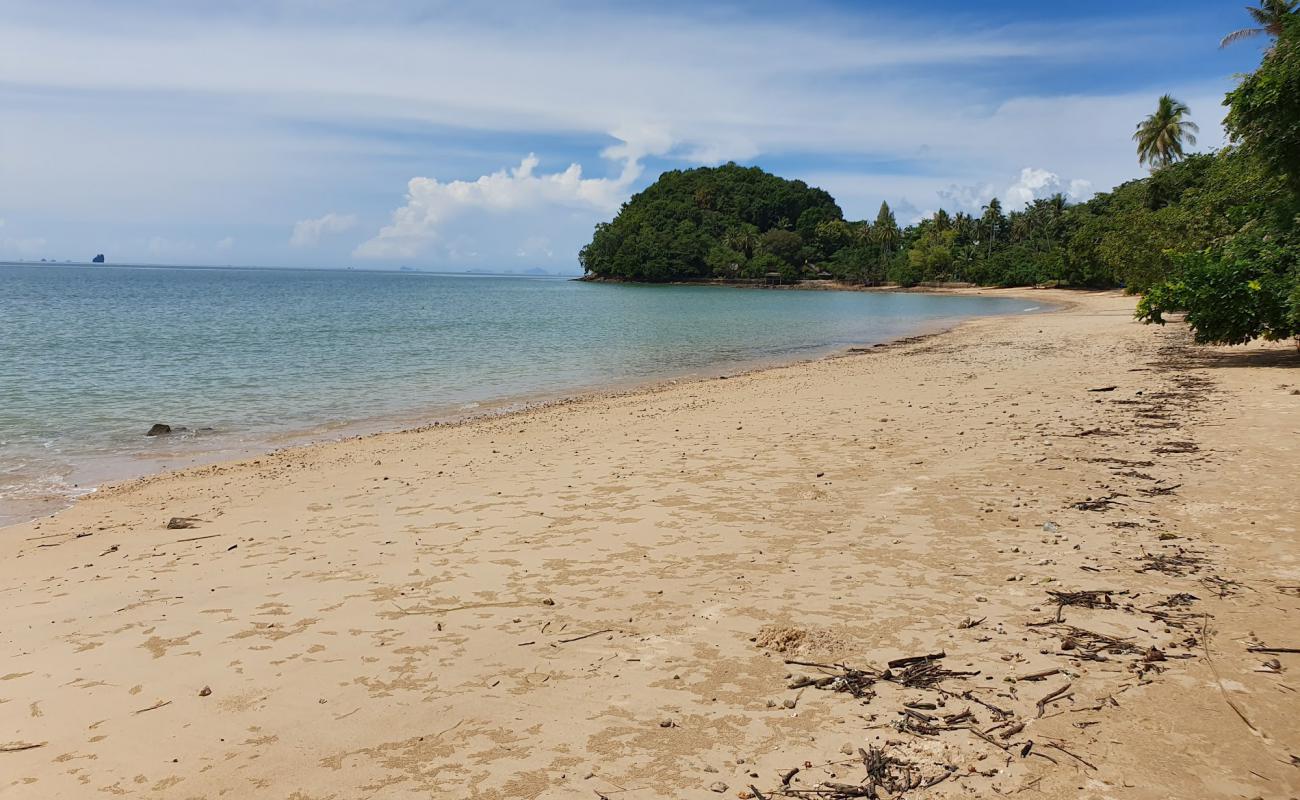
[[718, 786]]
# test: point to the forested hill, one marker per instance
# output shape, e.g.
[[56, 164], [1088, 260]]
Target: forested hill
[[728, 221]]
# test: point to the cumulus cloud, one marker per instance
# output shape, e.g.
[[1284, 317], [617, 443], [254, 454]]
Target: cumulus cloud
[[1036, 183], [969, 197], [308, 232], [515, 192]]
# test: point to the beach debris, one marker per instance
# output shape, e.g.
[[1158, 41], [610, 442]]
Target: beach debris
[[1052, 697], [1223, 587], [159, 429], [1157, 491], [1051, 527], [1104, 389], [1092, 598], [1176, 564], [1100, 503], [181, 523], [719, 787], [1041, 675], [585, 636], [205, 691], [18, 747], [153, 707]]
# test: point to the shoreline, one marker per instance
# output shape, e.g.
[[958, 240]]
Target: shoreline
[[416, 419], [1077, 520]]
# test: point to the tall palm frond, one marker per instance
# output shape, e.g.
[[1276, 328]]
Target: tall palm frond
[[1269, 17]]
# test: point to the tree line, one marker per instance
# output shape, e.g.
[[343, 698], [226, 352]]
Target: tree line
[[1216, 235]]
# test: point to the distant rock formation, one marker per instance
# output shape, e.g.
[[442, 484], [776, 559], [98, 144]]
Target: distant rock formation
[[99, 259]]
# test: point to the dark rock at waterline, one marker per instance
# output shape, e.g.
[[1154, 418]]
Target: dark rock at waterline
[[159, 429]]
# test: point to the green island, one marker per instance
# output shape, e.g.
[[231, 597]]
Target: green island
[[1214, 235]]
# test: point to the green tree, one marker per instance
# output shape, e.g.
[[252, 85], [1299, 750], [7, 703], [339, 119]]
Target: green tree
[[1269, 18], [785, 245], [886, 236], [1162, 136], [992, 225], [1264, 110]]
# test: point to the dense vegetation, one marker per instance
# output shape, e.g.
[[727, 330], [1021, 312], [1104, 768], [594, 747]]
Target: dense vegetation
[[1215, 235], [728, 222]]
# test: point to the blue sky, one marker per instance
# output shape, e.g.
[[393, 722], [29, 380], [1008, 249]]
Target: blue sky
[[456, 135]]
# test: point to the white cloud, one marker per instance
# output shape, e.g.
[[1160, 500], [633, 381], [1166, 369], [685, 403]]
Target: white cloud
[[308, 232], [1035, 184], [969, 198], [516, 192]]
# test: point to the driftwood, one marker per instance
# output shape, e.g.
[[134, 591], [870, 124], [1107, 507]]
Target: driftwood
[[1092, 598]]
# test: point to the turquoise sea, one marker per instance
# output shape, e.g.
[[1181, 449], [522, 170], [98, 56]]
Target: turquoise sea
[[251, 359]]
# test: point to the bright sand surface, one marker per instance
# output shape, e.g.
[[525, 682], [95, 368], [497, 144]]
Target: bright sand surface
[[597, 598]]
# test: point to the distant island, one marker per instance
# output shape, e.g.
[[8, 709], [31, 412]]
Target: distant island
[[99, 259]]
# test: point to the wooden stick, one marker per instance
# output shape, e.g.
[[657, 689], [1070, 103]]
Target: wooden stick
[[1053, 695], [586, 636]]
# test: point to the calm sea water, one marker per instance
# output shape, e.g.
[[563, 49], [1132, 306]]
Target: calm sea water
[[249, 359]]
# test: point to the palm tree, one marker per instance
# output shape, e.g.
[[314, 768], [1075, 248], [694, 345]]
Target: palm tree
[[1160, 137], [1269, 17], [886, 235], [993, 222]]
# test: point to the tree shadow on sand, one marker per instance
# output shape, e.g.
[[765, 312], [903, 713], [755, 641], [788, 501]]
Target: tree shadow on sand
[[1286, 358]]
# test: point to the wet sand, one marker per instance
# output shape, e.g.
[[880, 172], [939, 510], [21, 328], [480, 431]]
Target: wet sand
[[598, 598]]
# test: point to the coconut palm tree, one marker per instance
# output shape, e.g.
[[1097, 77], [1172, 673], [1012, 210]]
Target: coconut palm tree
[[886, 236], [1161, 137], [1269, 17]]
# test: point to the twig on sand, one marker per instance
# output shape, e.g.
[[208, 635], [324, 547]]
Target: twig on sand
[[1050, 697], [586, 636], [154, 707], [1205, 645], [1082, 761], [18, 747]]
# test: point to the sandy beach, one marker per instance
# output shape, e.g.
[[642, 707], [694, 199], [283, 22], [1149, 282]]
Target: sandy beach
[[599, 598]]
